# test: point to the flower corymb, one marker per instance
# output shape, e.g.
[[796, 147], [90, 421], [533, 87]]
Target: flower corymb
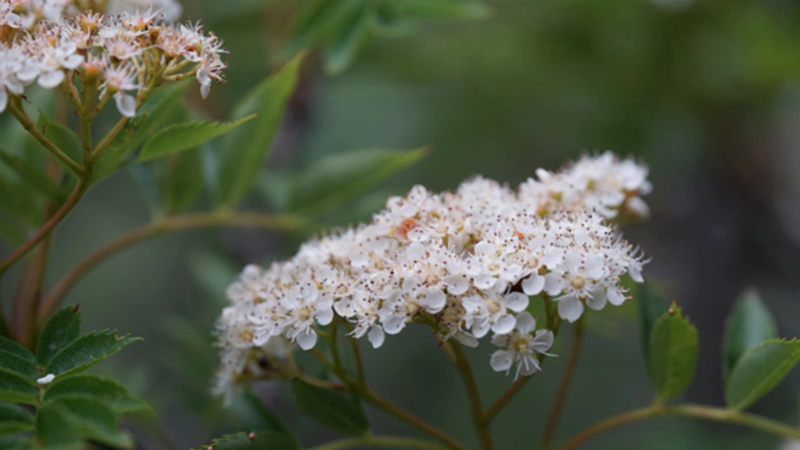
[[465, 262], [66, 45]]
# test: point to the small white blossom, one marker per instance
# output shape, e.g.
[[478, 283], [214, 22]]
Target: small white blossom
[[521, 346]]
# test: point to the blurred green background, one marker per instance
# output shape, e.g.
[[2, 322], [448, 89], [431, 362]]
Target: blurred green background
[[706, 92]]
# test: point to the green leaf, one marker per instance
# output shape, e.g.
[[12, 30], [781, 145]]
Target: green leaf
[[338, 178], [18, 364], [60, 330], [183, 136], [318, 20], [7, 345], [14, 419], [109, 392], [749, 324], [331, 408], [147, 184], [20, 202], [159, 110], [673, 354], [95, 421], [442, 9], [181, 181], [65, 139], [54, 428], [86, 351], [245, 149], [255, 414], [759, 370], [11, 232], [257, 440], [32, 175], [346, 46], [16, 388], [651, 308]]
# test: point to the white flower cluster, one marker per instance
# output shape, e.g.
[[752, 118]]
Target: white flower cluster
[[28, 13], [119, 55], [465, 262]]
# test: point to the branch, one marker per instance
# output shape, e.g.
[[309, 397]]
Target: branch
[[561, 395], [376, 399], [65, 209], [373, 397], [169, 224], [378, 441], [465, 370], [695, 411], [19, 113]]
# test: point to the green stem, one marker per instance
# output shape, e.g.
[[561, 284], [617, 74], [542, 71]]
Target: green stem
[[378, 441], [334, 342], [15, 106], [694, 411], [65, 209], [382, 403], [361, 378], [371, 396], [165, 225], [103, 145], [561, 395], [482, 426]]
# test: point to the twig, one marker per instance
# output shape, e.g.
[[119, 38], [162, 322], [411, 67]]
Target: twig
[[695, 411]]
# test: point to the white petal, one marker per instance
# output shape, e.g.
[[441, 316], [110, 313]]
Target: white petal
[[72, 62], [481, 327], [533, 285], [516, 301], [51, 79], [410, 284], [635, 271], [597, 300], [205, 89], [433, 301], [126, 104], [457, 284], [501, 360], [3, 99], [594, 266], [376, 336], [525, 323], [528, 365], [542, 341], [554, 283], [306, 339], [344, 308], [484, 282], [501, 340], [570, 308], [615, 296], [324, 315], [47, 379], [553, 258], [466, 339], [505, 324], [394, 324], [485, 248]]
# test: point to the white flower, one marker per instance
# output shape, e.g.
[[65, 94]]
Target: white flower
[[306, 306], [521, 347], [491, 311]]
